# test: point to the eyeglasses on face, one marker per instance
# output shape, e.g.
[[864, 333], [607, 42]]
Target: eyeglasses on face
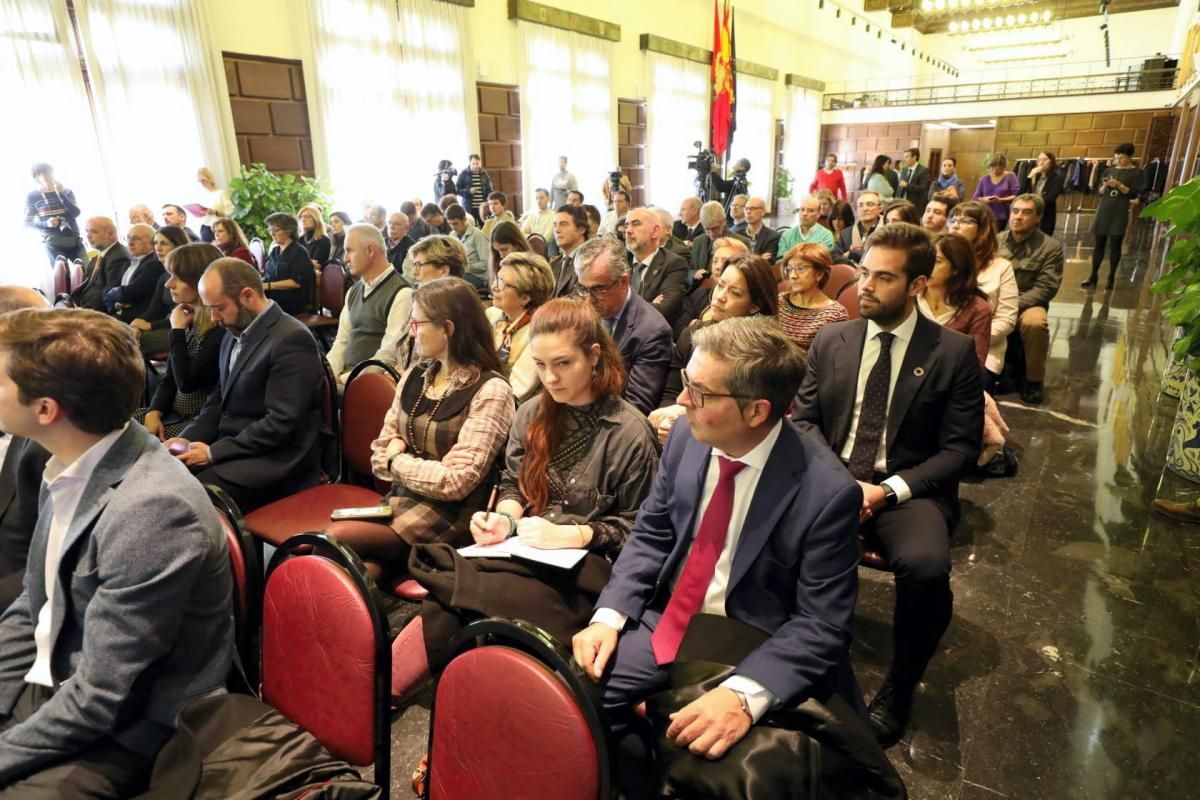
[[958, 222], [698, 397], [595, 292], [414, 325], [795, 270]]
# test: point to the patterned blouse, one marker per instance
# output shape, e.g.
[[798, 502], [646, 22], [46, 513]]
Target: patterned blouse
[[801, 324]]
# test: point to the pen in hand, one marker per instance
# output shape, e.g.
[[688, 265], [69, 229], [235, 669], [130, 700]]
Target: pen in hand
[[491, 505]]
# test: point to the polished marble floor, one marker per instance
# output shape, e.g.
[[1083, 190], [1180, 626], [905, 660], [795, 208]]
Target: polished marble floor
[[1071, 667]]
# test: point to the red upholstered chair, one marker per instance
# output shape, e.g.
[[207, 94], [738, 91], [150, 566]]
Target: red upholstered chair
[[512, 717], [848, 297], [76, 277], [62, 277], [840, 276], [368, 396], [329, 296], [537, 244], [326, 654], [247, 581]]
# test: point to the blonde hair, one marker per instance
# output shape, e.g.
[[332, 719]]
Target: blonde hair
[[318, 215], [532, 276], [207, 174]]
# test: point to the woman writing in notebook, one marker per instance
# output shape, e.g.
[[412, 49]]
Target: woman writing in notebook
[[580, 460]]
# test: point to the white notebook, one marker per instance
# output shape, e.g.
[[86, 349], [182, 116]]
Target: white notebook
[[512, 546]]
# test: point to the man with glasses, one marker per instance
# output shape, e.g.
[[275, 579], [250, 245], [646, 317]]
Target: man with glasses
[[764, 240], [937, 213], [853, 240], [656, 275], [642, 335], [712, 219], [809, 229], [737, 213], [749, 519], [111, 261]]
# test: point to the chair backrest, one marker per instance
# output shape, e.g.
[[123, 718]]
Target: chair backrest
[[62, 278], [326, 650], [482, 744], [839, 276], [370, 392], [259, 252], [77, 275], [537, 244], [247, 580], [332, 292], [848, 297], [331, 430]]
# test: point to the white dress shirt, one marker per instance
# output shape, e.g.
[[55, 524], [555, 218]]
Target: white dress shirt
[[65, 484], [237, 340], [127, 276], [759, 698], [397, 322], [870, 354]]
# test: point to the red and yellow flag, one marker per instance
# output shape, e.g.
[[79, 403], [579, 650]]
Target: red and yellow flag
[[724, 78]]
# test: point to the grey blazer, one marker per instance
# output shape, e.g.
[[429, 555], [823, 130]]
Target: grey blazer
[[145, 567]]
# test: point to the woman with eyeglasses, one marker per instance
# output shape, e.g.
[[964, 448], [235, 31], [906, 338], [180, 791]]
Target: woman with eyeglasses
[[578, 464], [451, 415], [804, 309], [433, 257], [288, 275], [745, 288], [993, 275], [523, 283]]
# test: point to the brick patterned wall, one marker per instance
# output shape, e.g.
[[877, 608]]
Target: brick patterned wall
[[631, 145], [270, 112], [1076, 135], [500, 140], [857, 145]]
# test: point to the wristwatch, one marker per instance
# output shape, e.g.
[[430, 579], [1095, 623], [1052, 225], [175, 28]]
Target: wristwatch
[[889, 495]]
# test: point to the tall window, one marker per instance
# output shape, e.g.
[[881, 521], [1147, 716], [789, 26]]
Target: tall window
[[392, 97], [802, 138], [755, 135], [677, 116], [567, 109]]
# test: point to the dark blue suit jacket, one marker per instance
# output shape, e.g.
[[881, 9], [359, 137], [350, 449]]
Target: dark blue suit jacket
[[643, 338], [794, 573]]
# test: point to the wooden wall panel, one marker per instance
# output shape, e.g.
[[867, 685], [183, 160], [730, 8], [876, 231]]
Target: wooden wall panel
[[500, 140], [270, 112], [631, 149]]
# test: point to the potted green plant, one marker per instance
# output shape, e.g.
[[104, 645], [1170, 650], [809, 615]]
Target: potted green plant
[[1180, 209], [257, 193], [785, 182]]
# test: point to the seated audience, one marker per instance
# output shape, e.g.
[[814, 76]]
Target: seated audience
[[397, 239], [688, 226], [656, 275], [764, 240], [1037, 263], [698, 301], [417, 229], [506, 238], [24, 461], [376, 215], [257, 435], [177, 215], [193, 370], [134, 293], [937, 213], [950, 297], [154, 325], [994, 277], [825, 204], [433, 257], [666, 239], [746, 287], [539, 219], [288, 276], [109, 265], [130, 615], [643, 337], [712, 218], [498, 206], [375, 316], [575, 198], [570, 232], [477, 246], [231, 241], [753, 484], [523, 284], [901, 211], [841, 217], [593, 219], [338, 222], [804, 309], [906, 435], [579, 463], [619, 210], [452, 407], [853, 239], [141, 213], [434, 220], [737, 213], [312, 236], [808, 228]]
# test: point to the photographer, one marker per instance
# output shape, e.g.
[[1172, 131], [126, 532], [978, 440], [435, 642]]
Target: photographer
[[443, 179], [614, 181], [736, 185]]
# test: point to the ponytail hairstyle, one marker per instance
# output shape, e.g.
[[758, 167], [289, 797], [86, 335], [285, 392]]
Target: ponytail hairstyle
[[583, 327]]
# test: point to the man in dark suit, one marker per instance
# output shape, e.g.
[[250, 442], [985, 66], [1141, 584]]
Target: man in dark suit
[[111, 260], [131, 296], [642, 335], [256, 436], [570, 232], [656, 275], [712, 217], [126, 611], [900, 399], [764, 241], [914, 180], [748, 518], [853, 238]]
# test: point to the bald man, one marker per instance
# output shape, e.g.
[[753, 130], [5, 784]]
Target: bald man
[[657, 275], [104, 272], [688, 226], [142, 214]]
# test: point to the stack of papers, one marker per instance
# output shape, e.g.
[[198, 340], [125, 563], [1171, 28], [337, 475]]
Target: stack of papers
[[512, 548]]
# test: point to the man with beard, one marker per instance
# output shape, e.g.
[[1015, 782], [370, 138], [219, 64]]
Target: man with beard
[[256, 436], [899, 398]]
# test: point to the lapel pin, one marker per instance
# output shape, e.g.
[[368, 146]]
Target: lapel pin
[[919, 372]]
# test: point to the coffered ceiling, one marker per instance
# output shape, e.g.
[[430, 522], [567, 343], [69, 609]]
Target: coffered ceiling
[[935, 16]]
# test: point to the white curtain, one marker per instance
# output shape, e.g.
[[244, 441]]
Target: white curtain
[[802, 138], [755, 135], [677, 116], [392, 95], [47, 119], [161, 106], [567, 108]]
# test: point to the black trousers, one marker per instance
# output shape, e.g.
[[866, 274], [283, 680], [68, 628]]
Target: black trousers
[[100, 771], [915, 537]]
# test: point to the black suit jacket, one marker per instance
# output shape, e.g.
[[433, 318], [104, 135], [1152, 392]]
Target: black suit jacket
[[766, 243], [917, 190], [702, 250], [681, 231], [20, 486], [643, 338], [935, 420], [103, 276], [667, 275], [565, 278], [262, 421], [137, 296]]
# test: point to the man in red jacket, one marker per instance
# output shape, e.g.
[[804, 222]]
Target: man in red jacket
[[829, 177]]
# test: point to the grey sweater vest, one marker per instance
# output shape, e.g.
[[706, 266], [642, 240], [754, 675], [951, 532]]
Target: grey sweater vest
[[368, 318]]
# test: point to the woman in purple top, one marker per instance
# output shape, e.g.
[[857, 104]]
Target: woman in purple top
[[997, 189]]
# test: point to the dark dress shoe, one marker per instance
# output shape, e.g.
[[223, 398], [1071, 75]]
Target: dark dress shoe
[[1033, 393], [1090, 283], [1184, 512], [888, 713]]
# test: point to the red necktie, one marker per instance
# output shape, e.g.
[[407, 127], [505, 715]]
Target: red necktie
[[688, 596]]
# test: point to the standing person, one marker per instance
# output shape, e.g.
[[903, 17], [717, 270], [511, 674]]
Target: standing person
[[1119, 187], [948, 182], [879, 179], [997, 189], [914, 180], [217, 203], [474, 186], [50, 210], [562, 184], [829, 177], [1047, 180]]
